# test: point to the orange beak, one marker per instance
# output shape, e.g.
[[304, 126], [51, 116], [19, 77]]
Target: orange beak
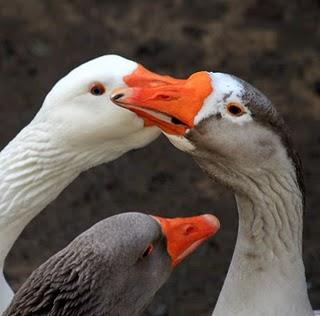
[[184, 235], [143, 77], [171, 104]]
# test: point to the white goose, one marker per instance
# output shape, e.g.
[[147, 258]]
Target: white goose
[[235, 134], [77, 127]]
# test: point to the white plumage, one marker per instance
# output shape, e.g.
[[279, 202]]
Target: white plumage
[[74, 130]]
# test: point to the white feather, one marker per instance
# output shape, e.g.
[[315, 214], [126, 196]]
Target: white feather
[[225, 89], [73, 131]]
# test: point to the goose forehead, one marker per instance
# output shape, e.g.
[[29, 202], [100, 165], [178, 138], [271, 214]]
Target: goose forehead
[[226, 88], [107, 66], [108, 69], [129, 226], [125, 235]]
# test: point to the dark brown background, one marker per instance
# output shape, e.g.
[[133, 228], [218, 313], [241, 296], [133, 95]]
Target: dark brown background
[[272, 44]]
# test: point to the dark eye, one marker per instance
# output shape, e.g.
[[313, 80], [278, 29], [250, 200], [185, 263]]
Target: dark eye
[[97, 89], [235, 109], [147, 251]]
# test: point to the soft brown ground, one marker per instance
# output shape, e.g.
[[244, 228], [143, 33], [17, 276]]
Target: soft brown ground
[[273, 44]]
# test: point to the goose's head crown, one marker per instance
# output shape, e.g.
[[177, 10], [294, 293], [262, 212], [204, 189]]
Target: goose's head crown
[[78, 112]]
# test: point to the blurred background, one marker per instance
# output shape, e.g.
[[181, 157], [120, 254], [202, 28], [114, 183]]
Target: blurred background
[[273, 44]]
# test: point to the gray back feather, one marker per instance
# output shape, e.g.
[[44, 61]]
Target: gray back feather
[[98, 273]]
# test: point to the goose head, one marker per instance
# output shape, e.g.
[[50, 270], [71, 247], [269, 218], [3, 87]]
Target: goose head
[[142, 250], [115, 267], [219, 118], [78, 113]]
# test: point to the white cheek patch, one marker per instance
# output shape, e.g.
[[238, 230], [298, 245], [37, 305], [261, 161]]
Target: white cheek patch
[[180, 142], [226, 89]]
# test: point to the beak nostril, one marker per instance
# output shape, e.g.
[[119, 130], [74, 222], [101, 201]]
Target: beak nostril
[[164, 97], [117, 96], [189, 230]]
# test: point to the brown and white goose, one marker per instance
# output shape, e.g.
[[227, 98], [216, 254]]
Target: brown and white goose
[[114, 268], [76, 128], [236, 135]]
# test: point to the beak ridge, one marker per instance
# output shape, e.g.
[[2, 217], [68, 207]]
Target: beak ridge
[[177, 101]]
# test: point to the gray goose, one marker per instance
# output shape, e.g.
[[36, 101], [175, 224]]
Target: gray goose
[[114, 268], [235, 134]]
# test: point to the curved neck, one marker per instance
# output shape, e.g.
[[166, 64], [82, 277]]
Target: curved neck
[[34, 169], [33, 172], [266, 275], [270, 216]]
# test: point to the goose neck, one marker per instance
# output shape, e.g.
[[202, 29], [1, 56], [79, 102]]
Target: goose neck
[[266, 275], [34, 169]]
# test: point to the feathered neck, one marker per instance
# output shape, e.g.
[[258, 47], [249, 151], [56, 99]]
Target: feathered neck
[[266, 275], [34, 169]]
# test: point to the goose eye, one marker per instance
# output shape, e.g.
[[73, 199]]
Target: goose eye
[[235, 109], [97, 89], [147, 251]]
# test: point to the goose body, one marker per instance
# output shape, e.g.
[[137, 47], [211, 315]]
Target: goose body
[[76, 128], [114, 268], [236, 135]]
